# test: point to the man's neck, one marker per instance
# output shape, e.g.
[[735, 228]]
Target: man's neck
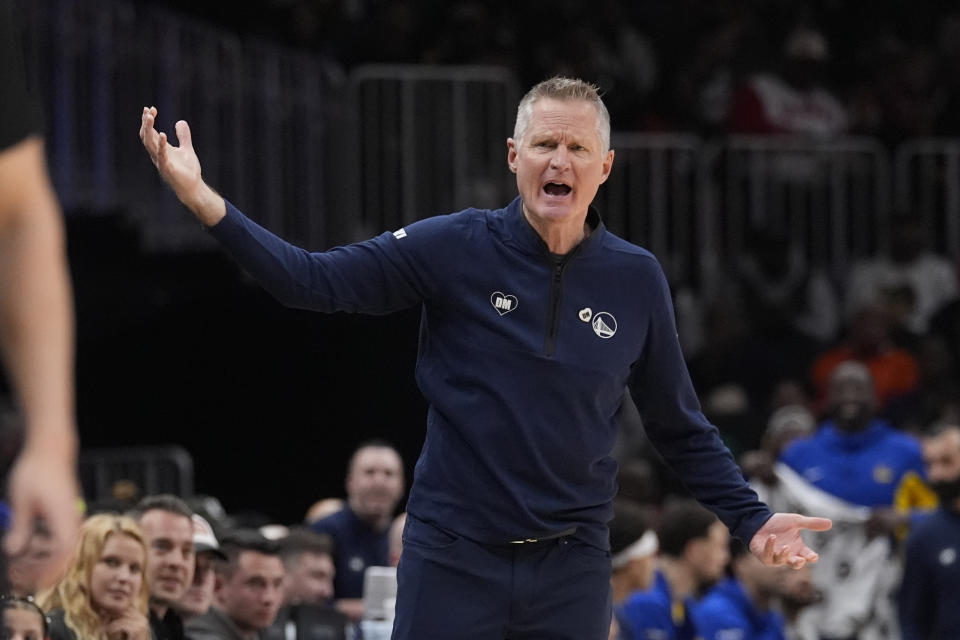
[[560, 237], [679, 576], [377, 523]]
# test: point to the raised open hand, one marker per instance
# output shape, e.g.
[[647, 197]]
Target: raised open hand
[[180, 167]]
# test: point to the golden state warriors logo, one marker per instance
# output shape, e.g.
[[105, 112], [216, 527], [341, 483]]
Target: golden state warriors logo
[[604, 325]]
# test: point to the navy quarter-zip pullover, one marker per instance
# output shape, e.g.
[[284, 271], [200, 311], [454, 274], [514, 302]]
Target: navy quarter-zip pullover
[[523, 360]]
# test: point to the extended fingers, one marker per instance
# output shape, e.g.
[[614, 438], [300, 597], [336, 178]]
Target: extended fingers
[[815, 524], [152, 141]]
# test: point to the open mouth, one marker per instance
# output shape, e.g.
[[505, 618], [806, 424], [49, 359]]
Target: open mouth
[[556, 189]]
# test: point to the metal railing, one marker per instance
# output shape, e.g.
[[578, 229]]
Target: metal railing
[[430, 140], [652, 197], [151, 470], [928, 185], [832, 198], [322, 158], [259, 113]]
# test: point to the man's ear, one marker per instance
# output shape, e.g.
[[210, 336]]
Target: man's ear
[[512, 154]]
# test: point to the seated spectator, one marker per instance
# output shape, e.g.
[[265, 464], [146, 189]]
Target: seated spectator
[[308, 560], [308, 611], [633, 549], [23, 568], [913, 281], [167, 524], [198, 598], [796, 101], [23, 619], [248, 591], [360, 530], [693, 553], [894, 370], [745, 605], [854, 455], [104, 591]]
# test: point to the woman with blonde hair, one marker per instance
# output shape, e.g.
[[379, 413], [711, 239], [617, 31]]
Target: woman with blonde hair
[[103, 593]]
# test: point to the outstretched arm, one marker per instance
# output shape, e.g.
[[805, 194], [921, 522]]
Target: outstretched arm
[[778, 541], [36, 338], [180, 168]]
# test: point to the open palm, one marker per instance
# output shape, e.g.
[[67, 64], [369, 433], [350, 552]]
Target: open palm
[[179, 166], [778, 541]]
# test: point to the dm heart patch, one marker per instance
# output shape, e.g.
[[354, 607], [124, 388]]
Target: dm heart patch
[[502, 302]]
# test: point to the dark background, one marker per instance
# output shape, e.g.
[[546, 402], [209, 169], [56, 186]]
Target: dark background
[[184, 349]]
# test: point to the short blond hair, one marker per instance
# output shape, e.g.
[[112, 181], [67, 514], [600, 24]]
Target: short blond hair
[[560, 88]]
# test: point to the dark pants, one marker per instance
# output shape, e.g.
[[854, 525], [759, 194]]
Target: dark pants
[[452, 588]]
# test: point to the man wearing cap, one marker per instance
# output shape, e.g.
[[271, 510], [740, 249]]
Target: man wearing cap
[[199, 596]]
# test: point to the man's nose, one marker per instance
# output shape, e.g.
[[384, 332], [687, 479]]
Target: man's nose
[[560, 157]]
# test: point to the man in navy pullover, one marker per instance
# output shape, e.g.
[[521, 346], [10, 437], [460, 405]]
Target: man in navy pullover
[[534, 320]]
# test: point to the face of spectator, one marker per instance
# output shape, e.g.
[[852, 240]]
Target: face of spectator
[[24, 567], [171, 556], [560, 161], [199, 596], [116, 578], [375, 483], [22, 624], [252, 594], [710, 554], [309, 579], [941, 453], [851, 398]]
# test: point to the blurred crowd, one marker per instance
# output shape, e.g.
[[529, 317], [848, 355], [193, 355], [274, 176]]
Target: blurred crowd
[[823, 67], [166, 567]]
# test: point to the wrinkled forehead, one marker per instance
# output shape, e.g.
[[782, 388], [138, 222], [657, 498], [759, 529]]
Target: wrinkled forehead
[[570, 114]]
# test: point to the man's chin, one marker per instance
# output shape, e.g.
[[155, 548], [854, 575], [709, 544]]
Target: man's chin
[[165, 598]]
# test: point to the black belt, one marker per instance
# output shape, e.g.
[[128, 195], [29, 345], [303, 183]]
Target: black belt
[[552, 536]]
